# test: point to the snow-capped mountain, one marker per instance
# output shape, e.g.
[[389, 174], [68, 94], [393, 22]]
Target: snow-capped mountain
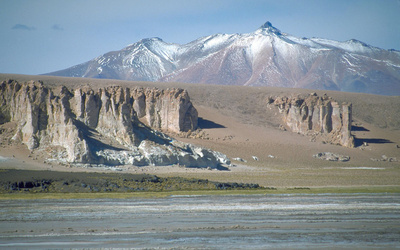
[[266, 57]]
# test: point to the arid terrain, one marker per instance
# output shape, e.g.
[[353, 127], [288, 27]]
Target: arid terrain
[[238, 122]]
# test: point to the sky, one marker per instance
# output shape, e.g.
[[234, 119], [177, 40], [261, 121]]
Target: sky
[[42, 36]]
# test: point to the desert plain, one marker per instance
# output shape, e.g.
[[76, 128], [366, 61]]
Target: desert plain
[[237, 121]]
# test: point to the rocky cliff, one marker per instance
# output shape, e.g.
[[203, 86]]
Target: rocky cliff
[[169, 110], [104, 126], [317, 116]]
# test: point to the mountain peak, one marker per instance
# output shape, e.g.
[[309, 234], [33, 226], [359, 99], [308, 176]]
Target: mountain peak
[[265, 57], [268, 27], [152, 39]]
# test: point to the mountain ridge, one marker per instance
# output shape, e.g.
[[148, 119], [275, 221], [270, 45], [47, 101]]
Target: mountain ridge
[[266, 57]]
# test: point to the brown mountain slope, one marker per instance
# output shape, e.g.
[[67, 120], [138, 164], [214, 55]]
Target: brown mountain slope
[[265, 57]]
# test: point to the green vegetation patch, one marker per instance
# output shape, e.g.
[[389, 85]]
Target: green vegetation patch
[[26, 181], [27, 184]]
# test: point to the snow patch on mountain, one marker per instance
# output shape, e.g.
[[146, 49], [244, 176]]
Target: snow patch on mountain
[[265, 57]]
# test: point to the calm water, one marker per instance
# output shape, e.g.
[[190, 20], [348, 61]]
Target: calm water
[[216, 222]]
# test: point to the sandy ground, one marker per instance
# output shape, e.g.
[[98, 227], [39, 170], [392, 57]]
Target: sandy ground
[[238, 122]]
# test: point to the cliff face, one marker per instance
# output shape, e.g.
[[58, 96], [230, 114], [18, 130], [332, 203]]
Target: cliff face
[[167, 110], [87, 126], [313, 115]]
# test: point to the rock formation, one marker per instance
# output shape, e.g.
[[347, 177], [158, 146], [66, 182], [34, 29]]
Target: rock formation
[[314, 115], [103, 126], [169, 110], [328, 156]]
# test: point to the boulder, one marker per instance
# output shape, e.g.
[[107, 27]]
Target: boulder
[[328, 156]]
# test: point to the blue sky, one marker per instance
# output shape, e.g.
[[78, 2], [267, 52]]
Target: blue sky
[[40, 36]]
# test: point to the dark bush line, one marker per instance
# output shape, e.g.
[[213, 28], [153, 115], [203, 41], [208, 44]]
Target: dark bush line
[[234, 185], [114, 183]]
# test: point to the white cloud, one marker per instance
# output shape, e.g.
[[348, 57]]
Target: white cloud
[[23, 27]]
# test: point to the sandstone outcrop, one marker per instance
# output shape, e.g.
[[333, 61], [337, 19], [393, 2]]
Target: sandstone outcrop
[[104, 126], [169, 109], [315, 115]]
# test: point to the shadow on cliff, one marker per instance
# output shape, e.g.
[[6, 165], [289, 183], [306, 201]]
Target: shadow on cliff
[[360, 141], [359, 128], [89, 135], [207, 124], [222, 168]]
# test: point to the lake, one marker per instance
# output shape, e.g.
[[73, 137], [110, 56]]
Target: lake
[[352, 221]]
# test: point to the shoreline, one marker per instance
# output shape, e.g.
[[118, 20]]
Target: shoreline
[[183, 193]]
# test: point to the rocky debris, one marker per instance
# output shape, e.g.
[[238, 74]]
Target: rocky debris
[[228, 138], [317, 116], [150, 153], [239, 159], [385, 158], [328, 156], [103, 126], [364, 146], [196, 134]]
